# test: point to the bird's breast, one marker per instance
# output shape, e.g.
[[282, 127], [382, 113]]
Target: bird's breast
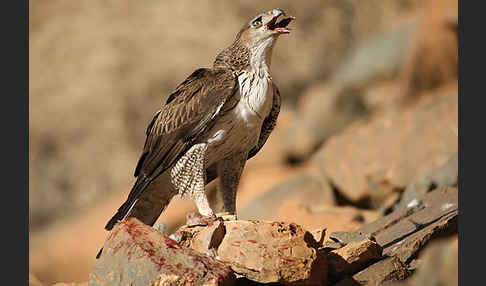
[[239, 129]]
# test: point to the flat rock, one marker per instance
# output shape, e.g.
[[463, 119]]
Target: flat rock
[[136, 254], [404, 232], [400, 145], [353, 257], [265, 251], [388, 269]]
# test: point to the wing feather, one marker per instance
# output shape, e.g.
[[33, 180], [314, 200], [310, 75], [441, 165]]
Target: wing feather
[[189, 110]]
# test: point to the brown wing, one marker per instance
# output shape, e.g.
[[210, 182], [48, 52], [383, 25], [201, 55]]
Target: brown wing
[[189, 110], [268, 124]]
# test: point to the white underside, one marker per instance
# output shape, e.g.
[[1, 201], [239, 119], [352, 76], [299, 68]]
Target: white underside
[[239, 130]]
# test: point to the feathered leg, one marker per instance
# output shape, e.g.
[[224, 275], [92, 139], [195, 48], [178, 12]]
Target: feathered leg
[[229, 172], [189, 177]]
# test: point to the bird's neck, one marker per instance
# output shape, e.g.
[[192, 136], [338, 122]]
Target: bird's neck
[[261, 55], [240, 57]]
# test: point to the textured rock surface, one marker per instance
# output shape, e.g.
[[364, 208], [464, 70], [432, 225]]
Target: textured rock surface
[[353, 256], [405, 231], [397, 147], [136, 254], [389, 269], [262, 251], [272, 252]]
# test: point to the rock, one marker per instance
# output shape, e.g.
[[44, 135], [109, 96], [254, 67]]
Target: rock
[[377, 58], [334, 218], [322, 112], [404, 232], [177, 280], [304, 188], [432, 58], [136, 254], [445, 176], [439, 264], [326, 109], [393, 159], [278, 252], [353, 257], [264, 251], [388, 269]]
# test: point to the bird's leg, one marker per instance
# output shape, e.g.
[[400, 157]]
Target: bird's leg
[[229, 172], [189, 177]]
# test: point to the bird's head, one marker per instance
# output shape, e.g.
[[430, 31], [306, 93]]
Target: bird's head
[[265, 27], [255, 40]]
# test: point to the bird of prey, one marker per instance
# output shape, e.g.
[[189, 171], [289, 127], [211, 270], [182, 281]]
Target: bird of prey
[[210, 125]]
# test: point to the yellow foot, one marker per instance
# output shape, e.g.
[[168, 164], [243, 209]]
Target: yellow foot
[[226, 216]]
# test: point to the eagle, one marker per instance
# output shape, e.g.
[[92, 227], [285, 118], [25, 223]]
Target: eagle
[[210, 125]]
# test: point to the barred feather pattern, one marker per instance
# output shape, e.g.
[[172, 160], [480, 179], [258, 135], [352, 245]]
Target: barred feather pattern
[[188, 174]]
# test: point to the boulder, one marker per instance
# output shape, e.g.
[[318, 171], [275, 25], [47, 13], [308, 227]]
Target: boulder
[[323, 111], [372, 159], [136, 254], [261, 251]]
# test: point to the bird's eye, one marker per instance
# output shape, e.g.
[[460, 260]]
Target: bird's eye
[[257, 22]]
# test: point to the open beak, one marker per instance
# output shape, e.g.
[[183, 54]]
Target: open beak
[[279, 26]]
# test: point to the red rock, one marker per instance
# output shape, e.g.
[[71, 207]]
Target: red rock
[[136, 254]]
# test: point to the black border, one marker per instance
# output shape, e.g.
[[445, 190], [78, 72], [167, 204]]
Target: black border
[[15, 135]]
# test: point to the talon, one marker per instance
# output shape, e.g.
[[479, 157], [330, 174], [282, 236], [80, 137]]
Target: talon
[[227, 216], [196, 219]]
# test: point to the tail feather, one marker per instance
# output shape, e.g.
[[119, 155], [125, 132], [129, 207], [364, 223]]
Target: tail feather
[[124, 209], [146, 201]]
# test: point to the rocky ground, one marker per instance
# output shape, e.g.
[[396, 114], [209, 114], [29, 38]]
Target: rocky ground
[[356, 186]]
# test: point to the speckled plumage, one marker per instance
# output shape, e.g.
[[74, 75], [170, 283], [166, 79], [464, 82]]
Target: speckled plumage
[[210, 125]]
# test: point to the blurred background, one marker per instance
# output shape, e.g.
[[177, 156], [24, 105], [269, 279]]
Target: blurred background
[[369, 94]]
